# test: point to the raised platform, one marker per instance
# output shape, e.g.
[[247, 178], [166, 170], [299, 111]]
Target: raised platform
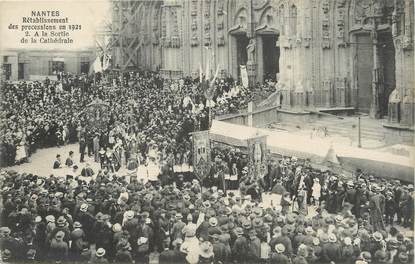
[[378, 162], [344, 123]]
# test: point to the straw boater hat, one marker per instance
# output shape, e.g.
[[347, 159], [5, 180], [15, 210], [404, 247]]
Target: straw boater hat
[[206, 249], [279, 248], [61, 221], [239, 231], [116, 228], [129, 214], [77, 225], [50, 218], [309, 230], [84, 207], [347, 241], [377, 236], [100, 252], [213, 221], [179, 216]]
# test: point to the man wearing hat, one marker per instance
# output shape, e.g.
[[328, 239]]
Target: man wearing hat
[[206, 254], [123, 254], [86, 219], [99, 256], [254, 246], [240, 247], [6, 256], [213, 226], [219, 249], [282, 239], [278, 256], [57, 163], [69, 160], [407, 205], [390, 208], [331, 251], [61, 225], [77, 237], [178, 226], [58, 247], [376, 208], [174, 255], [350, 196]]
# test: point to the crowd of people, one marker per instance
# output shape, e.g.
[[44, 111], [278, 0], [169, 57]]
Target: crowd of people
[[107, 218], [143, 108], [293, 214]]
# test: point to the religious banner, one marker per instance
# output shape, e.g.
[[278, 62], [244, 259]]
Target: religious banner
[[97, 115], [244, 76], [257, 155], [201, 153]]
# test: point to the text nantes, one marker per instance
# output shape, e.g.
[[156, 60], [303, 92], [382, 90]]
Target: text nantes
[[45, 13]]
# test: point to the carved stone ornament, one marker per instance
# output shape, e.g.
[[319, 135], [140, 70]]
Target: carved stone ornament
[[306, 42], [207, 40], [325, 44], [285, 42], [325, 6], [221, 39], [166, 42], [325, 25], [407, 43], [220, 25], [175, 42], [194, 42], [194, 25]]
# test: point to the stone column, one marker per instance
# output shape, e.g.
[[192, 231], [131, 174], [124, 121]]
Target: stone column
[[376, 82], [394, 107], [407, 110]]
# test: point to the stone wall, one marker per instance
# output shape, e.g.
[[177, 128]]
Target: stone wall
[[319, 42], [37, 62]]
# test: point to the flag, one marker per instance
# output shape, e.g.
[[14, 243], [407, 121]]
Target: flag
[[97, 67], [106, 62]]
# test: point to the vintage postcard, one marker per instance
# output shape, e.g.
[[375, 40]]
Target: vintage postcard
[[207, 131]]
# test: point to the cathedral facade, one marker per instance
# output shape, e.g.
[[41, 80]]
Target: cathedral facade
[[322, 53]]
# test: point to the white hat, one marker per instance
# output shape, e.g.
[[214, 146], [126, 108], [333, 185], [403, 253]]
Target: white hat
[[347, 241], [84, 207], [100, 252], [213, 221], [280, 248], [116, 227], [129, 214], [142, 240]]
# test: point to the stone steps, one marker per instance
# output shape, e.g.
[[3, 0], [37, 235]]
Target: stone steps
[[345, 127]]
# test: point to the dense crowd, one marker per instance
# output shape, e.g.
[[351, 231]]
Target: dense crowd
[[294, 214], [142, 107], [108, 218]]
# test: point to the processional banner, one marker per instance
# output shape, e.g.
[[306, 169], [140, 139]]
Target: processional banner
[[201, 153]]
